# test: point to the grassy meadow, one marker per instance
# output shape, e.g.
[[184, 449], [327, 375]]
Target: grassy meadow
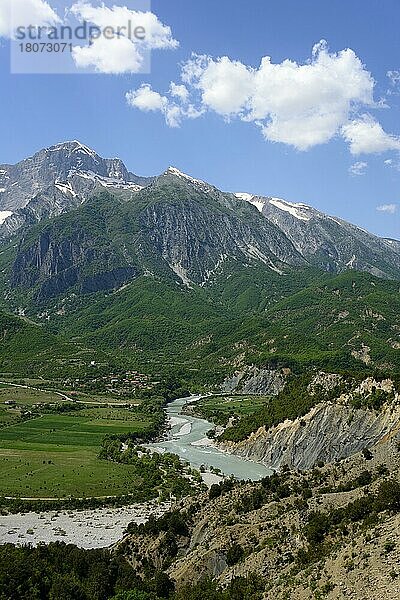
[[56, 455], [220, 408]]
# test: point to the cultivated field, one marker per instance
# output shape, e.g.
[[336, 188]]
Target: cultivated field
[[55, 455], [25, 396]]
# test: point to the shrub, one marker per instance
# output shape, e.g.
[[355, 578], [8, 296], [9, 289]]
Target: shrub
[[215, 491], [367, 454], [234, 554]]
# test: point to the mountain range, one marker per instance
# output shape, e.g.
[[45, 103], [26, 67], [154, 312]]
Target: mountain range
[[170, 266], [64, 177]]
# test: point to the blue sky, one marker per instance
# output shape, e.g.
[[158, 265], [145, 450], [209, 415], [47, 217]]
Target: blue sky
[[39, 110]]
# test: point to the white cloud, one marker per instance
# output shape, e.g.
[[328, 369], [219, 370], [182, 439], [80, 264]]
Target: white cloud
[[226, 86], [22, 13], [387, 208], [388, 162], [147, 100], [114, 56], [179, 91], [297, 104], [122, 54], [358, 168], [366, 136], [394, 77], [307, 104]]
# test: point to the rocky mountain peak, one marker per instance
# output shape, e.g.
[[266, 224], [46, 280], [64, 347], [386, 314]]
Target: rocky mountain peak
[[177, 173], [55, 180], [298, 210], [62, 177], [176, 176], [73, 146]]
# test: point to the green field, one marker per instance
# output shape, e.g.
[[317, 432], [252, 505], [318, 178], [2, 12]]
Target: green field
[[55, 455], [30, 396], [26, 397], [24, 400], [219, 408]]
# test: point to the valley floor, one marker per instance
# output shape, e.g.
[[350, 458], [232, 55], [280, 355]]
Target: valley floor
[[99, 528]]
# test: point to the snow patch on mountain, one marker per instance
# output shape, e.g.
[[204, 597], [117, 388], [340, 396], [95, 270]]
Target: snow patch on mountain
[[391, 242], [76, 147], [66, 188], [107, 182], [178, 173], [244, 196], [256, 201], [296, 210], [4, 214]]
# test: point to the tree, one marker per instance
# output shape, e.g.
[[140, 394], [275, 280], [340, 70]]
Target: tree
[[235, 554], [135, 595]]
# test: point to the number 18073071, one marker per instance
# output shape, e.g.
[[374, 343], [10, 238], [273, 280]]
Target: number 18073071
[[45, 47]]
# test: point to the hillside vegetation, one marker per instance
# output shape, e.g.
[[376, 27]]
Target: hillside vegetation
[[331, 532]]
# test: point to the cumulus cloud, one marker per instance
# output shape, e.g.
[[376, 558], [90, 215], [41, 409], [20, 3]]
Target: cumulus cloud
[[226, 86], [366, 136], [179, 91], [114, 56], [297, 104], [301, 105], [122, 54], [358, 168], [148, 100], [387, 208], [22, 13]]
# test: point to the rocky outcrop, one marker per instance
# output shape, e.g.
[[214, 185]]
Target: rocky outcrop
[[58, 165], [170, 229], [196, 227], [54, 266], [269, 523], [55, 181], [328, 242], [197, 230], [328, 432], [256, 381]]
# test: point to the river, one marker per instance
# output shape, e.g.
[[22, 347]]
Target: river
[[188, 439], [101, 527]]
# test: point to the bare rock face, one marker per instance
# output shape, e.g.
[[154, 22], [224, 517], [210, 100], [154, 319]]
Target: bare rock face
[[55, 181], [328, 432], [273, 532], [57, 165], [256, 381], [57, 266], [172, 227], [328, 242], [196, 229]]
